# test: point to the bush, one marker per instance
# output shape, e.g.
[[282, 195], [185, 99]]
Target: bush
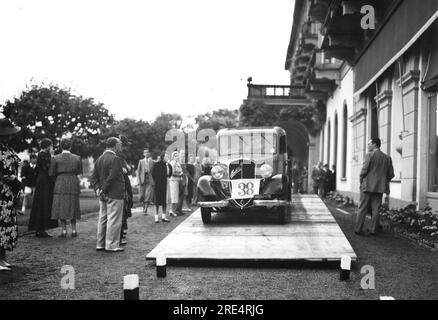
[[423, 223], [340, 198]]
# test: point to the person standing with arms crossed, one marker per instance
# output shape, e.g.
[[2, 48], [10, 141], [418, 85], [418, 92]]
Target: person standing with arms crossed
[[377, 171]]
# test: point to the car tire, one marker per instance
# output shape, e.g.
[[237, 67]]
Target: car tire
[[206, 215], [282, 214]]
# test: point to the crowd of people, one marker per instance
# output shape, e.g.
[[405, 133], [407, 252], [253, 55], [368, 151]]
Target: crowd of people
[[324, 179], [164, 180]]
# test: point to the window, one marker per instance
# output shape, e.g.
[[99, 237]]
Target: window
[[335, 141], [283, 148], [344, 144], [433, 144], [248, 144], [329, 129], [374, 120]]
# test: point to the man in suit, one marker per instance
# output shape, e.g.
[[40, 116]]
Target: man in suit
[[377, 171], [318, 180], [145, 180], [328, 176], [295, 177], [108, 182]]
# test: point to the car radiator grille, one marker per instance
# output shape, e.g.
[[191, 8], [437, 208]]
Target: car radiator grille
[[242, 169]]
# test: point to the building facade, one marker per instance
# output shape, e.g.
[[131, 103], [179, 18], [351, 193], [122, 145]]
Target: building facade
[[374, 64]]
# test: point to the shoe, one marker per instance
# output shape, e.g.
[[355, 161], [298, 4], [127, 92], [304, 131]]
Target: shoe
[[100, 249], [165, 220], [63, 234], [74, 234], [358, 233], [373, 233], [115, 250], [5, 268], [173, 214], [123, 242], [20, 212], [157, 221], [7, 265], [181, 213]]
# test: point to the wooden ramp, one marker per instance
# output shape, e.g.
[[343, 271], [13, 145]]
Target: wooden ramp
[[310, 234]]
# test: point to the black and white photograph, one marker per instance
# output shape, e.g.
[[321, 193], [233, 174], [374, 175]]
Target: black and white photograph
[[219, 156]]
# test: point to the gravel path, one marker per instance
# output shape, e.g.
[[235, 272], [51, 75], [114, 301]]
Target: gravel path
[[403, 270]]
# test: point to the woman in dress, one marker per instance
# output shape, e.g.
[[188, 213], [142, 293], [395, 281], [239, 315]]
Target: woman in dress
[[159, 174], [10, 189], [66, 167], [175, 182], [40, 215]]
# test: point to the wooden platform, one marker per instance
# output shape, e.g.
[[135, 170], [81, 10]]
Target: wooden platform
[[310, 234]]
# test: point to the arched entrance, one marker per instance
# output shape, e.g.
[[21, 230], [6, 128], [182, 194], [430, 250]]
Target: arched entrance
[[298, 142]]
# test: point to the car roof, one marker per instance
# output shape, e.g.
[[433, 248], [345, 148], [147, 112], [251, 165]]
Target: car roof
[[237, 131]]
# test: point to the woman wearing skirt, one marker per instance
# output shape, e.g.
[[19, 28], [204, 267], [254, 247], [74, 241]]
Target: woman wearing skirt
[[66, 166]]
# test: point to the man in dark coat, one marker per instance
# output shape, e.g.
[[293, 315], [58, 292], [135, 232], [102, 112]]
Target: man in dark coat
[[160, 174], [28, 176], [377, 171], [333, 182], [318, 180], [328, 178], [129, 197], [109, 184]]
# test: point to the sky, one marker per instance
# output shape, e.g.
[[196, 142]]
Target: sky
[[143, 57]]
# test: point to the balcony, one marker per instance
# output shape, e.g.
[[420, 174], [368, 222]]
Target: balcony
[[278, 95]]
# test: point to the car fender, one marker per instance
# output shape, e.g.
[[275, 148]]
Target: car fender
[[277, 184], [204, 186]]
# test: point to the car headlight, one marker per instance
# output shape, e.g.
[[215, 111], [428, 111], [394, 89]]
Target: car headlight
[[217, 172], [266, 171]]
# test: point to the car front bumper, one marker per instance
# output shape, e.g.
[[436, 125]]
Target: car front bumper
[[255, 203]]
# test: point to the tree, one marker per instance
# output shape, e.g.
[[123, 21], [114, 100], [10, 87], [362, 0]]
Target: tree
[[163, 123], [137, 131], [256, 113], [52, 112], [218, 119]]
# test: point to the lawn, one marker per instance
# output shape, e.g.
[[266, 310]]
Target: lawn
[[88, 203]]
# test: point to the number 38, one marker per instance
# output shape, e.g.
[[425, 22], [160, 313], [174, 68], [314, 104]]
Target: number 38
[[246, 189]]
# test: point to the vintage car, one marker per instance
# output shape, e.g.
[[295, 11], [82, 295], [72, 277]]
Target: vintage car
[[251, 171]]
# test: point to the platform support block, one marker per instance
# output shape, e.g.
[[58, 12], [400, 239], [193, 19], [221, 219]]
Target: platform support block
[[345, 268], [161, 266], [131, 289]]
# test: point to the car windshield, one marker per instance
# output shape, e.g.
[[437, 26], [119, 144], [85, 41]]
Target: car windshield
[[248, 144]]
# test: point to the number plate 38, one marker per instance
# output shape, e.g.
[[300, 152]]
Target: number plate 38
[[244, 188]]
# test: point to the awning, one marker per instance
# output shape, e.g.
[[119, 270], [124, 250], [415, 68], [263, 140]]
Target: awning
[[430, 83], [405, 26]]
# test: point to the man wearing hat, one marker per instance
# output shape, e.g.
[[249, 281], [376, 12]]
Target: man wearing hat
[[9, 192]]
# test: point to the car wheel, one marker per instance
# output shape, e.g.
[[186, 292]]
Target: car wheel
[[206, 215], [282, 213]]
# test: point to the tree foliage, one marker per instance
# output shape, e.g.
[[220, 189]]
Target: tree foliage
[[256, 113], [51, 112], [218, 119]]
